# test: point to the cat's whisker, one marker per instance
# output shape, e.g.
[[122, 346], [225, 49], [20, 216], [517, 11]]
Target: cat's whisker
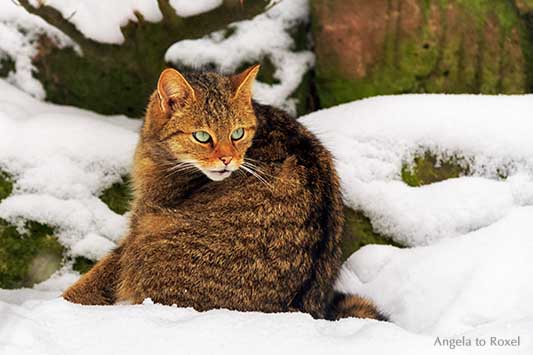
[[255, 162], [183, 167], [257, 169], [251, 159], [259, 177], [259, 172]]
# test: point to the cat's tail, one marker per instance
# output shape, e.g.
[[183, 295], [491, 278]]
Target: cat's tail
[[344, 306]]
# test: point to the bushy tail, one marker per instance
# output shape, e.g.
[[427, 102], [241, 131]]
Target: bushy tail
[[344, 306]]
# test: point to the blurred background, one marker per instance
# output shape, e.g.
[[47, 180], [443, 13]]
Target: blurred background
[[315, 54]]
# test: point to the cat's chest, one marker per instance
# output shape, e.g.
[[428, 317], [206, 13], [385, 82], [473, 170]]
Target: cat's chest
[[277, 188]]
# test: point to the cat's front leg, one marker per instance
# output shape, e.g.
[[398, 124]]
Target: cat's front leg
[[97, 287]]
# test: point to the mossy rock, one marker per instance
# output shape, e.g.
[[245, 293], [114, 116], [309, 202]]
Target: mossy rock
[[413, 46], [30, 257], [118, 196], [6, 186], [428, 169], [358, 232]]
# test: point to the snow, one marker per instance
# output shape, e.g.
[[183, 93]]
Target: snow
[[102, 20], [19, 33], [187, 8], [372, 139], [466, 274], [62, 158], [265, 36], [56, 326], [453, 286]]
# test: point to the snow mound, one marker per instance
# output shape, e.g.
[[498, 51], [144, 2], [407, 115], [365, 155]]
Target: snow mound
[[453, 286], [372, 139], [149, 328], [265, 36], [62, 158]]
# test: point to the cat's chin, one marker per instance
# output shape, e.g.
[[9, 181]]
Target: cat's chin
[[217, 175]]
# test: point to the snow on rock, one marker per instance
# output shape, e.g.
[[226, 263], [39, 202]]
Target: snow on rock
[[62, 158], [187, 8], [372, 139], [19, 32], [265, 36], [101, 20]]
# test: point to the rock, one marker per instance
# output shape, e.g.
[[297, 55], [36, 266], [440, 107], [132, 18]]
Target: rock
[[358, 232], [366, 48], [30, 257], [428, 169], [82, 264], [118, 197]]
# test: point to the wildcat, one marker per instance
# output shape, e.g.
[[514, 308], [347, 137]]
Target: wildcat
[[236, 205]]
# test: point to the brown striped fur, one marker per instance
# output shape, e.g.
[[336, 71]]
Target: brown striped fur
[[241, 243]]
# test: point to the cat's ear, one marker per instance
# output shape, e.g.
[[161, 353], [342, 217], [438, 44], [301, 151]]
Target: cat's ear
[[174, 90], [243, 82]]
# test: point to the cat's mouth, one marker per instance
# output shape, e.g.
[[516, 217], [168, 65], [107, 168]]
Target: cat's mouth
[[218, 175]]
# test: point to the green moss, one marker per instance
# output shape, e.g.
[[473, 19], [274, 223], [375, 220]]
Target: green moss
[[266, 73], [30, 257], [461, 46], [7, 65], [118, 197], [358, 232], [82, 264], [6, 186], [427, 169]]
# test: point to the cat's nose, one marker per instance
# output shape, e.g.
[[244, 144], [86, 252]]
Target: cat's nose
[[225, 160]]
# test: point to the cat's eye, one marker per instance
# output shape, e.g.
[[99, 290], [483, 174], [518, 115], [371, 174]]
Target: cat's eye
[[201, 136], [237, 134]]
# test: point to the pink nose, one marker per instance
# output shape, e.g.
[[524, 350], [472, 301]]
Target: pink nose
[[225, 160]]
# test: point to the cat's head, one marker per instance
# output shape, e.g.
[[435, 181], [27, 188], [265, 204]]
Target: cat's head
[[206, 121]]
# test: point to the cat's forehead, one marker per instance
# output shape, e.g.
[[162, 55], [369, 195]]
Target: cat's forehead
[[214, 106]]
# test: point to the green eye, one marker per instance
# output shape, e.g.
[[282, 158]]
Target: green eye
[[201, 136], [237, 134]]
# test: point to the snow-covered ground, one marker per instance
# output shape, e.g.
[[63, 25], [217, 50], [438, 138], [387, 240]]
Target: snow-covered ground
[[465, 277]]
